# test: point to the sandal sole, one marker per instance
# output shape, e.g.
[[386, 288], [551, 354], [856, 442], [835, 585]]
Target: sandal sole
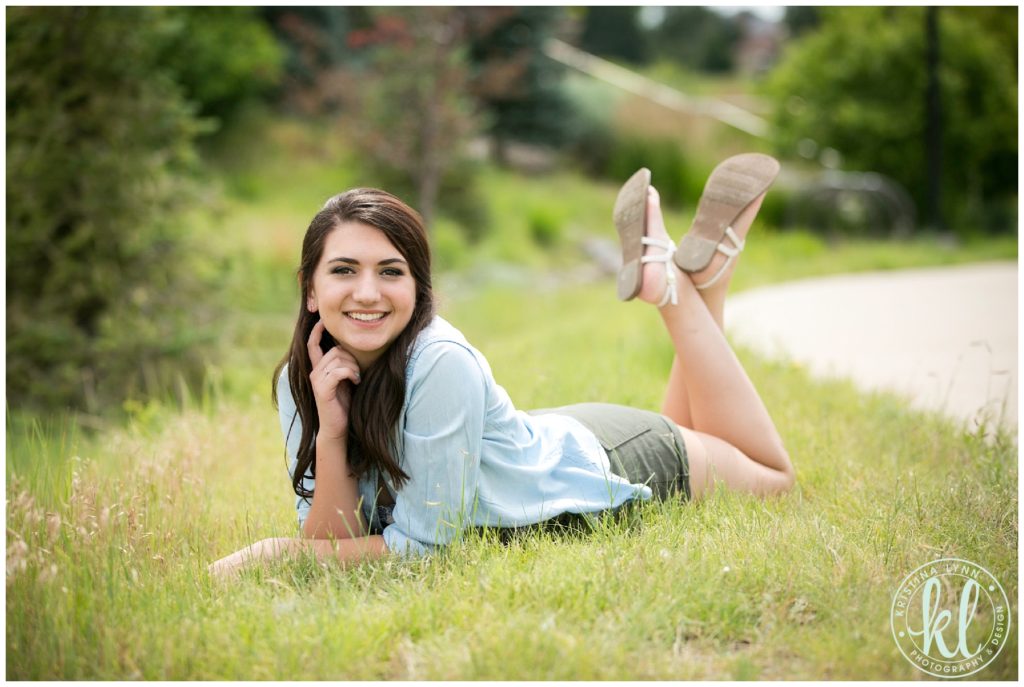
[[732, 186], [630, 215]]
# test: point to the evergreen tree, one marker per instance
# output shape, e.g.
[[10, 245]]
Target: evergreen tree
[[697, 38], [101, 300], [614, 32], [800, 19], [513, 79]]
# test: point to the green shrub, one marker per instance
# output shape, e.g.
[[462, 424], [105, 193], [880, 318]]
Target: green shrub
[[671, 174], [604, 151], [461, 199], [774, 207], [545, 226], [448, 245], [224, 58]]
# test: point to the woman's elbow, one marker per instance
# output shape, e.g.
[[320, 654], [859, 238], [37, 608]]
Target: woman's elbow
[[320, 529], [313, 529]]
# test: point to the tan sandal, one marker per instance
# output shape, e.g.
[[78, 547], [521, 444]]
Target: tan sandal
[[731, 188], [630, 215]]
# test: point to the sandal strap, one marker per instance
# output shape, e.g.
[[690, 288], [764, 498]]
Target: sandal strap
[[670, 287], [729, 252], [665, 245], [667, 258], [736, 241]]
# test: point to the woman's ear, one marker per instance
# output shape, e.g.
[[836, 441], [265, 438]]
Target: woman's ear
[[310, 298]]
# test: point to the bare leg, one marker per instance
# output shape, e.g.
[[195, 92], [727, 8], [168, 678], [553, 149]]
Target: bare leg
[[677, 399], [728, 432]]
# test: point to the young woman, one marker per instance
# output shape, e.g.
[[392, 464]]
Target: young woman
[[399, 437]]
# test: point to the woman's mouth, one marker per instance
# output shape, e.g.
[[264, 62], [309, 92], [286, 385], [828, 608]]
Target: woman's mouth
[[366, 317]]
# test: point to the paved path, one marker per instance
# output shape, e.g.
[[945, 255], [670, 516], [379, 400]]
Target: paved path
[[945, 337]]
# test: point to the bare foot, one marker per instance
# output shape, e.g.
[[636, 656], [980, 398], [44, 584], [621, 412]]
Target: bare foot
[[741, 226], [654, 282], [653, 285], [714, 295]]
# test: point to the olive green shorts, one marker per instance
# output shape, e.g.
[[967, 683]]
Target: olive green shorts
[[642, 447]]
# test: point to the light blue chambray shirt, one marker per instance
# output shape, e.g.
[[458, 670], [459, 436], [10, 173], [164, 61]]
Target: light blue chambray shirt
[[471, 457]]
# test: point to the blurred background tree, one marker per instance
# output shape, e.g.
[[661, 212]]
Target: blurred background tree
[[415, 116], [799, 19], [315, 43], [223, 58], [104, 299], [697, 38], [857, 84], [478, 70], [518, 86], [615, 33]]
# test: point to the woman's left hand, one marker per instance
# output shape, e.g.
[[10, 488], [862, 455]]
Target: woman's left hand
[[230, 566]]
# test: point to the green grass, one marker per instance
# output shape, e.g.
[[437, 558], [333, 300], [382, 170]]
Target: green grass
[[110, 529], [796, 587]]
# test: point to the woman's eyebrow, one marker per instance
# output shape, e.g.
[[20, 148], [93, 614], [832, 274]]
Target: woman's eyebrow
[[353, 261]]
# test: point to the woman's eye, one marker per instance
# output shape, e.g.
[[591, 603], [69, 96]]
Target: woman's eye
[[392, 272], [342, 270]]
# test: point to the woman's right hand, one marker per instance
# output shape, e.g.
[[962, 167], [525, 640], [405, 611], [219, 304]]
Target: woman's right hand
[[332, 377]]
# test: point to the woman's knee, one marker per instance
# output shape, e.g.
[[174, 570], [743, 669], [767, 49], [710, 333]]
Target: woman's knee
[[789, 472], [715, 460]]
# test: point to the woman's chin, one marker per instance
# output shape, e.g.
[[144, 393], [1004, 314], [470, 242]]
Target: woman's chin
[[365, 349]]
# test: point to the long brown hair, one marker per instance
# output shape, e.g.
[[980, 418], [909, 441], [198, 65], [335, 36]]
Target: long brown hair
[[378, 399]]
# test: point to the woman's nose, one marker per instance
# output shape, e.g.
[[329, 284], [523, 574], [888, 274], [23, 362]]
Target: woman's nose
[[366, 289]]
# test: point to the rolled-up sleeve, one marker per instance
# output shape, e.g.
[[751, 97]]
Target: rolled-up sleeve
[[291, 428], [441, 443]]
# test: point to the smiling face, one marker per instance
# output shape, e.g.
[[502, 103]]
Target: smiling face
[[363, 290]]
